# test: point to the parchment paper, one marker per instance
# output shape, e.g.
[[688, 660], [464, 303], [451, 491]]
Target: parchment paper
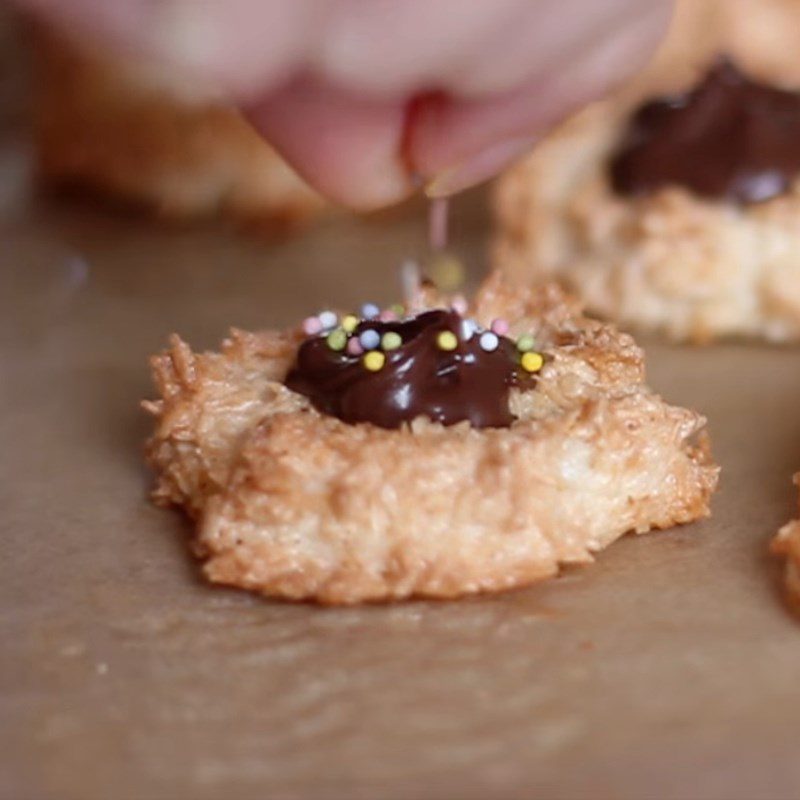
[[669, 669]]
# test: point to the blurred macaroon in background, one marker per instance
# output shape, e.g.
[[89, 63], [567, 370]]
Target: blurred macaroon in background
[[141, 134], [692, 265]]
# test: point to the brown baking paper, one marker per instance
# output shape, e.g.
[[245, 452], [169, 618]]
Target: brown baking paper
[[667, 669]]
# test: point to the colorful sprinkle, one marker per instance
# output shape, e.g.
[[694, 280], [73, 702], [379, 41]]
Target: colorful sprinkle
[[459, 305], [387, 315], [328, 320], [398, 309], [500, 327], [369, 311], [374, 360], [447, 272], [349, 322], [532, 362], [354, 347], [337, 340], [369, 339], [447, 340], [312, 326], [489, 341], [468, 329], [525, 343], [391, 341]]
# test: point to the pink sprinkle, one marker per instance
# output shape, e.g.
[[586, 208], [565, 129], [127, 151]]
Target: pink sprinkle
[[312, 326], [500, 327], [459, 305], [354, 347], [388, 315]]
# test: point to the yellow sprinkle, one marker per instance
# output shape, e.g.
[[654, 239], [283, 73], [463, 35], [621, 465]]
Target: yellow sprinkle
[[447, 272], [532, 362], [374, 360], [349, 323], [447, 340]]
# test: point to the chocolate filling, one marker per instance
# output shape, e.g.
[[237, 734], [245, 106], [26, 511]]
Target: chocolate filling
[[730, 138], [417, 379]]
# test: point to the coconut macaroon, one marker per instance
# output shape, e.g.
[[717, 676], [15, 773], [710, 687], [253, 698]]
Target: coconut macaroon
[[674, 205], [787, 544], [453, 454], [118, 128]]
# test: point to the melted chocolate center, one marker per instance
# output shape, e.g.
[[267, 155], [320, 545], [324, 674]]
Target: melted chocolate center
[[417, 379], [731, 137]]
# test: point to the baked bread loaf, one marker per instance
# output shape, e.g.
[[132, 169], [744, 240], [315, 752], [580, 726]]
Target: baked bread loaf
[[485, 490]]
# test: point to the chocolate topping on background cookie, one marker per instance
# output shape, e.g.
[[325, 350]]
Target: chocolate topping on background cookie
[[437, 364], [730, 138]]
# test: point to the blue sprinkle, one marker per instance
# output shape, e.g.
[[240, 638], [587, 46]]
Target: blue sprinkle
[[369, 339], [369, 311]]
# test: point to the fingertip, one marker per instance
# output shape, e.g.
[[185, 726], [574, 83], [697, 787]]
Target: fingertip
[[475, 170], [456, 142], [348, 148]]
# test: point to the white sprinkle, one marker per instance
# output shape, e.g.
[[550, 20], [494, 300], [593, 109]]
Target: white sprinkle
[[328, 320], [489, 341], [468, 329]]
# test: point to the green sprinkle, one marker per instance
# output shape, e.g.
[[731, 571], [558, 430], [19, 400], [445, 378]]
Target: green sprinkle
[[391, 341], [398, 309], [337, 340], [525, 343]]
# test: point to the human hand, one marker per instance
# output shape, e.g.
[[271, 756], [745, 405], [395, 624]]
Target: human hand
[[370, 100]]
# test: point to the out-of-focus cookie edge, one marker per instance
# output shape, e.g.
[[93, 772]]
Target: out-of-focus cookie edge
[[787, 544], [138, 135]]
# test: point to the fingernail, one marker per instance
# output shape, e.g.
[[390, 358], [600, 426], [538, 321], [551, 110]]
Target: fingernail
[[484, 165]]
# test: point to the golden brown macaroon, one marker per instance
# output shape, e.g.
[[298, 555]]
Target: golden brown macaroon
[[134, 134], [671, 260], [292, 503], [787, 544]]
